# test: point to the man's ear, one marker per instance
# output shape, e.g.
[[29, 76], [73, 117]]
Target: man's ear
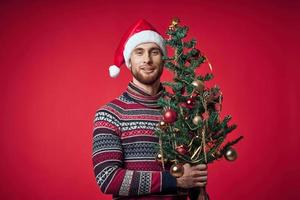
[[129, 63]]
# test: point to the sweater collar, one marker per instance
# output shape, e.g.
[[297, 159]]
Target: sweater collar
[[139, 95]]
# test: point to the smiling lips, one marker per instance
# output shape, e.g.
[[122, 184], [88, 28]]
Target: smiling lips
[[148, 69]]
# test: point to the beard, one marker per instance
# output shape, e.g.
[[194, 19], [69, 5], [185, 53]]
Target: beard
[[147, 79]]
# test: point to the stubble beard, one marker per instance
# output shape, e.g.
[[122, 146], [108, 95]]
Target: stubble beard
[[147, 80]]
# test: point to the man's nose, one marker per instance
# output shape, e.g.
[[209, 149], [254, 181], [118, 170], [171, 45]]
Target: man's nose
[[147, 58]]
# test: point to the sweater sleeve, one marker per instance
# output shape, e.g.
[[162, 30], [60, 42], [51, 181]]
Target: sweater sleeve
[[107, 157]]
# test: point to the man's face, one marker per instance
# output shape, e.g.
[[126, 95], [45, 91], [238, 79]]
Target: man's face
[[146, 63]]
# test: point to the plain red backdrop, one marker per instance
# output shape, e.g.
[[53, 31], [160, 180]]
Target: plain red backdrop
[[54, 58]]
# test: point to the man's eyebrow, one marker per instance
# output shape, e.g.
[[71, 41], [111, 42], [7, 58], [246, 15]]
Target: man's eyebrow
[[154, 48], [142, 49], [138, 49]]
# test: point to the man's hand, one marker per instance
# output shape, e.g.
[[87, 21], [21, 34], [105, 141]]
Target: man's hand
[[194, 176]]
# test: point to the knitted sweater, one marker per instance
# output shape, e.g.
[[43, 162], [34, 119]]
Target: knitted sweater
[[124, 151]]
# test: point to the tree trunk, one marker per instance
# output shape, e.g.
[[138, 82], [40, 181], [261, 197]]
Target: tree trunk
[[203, 195]]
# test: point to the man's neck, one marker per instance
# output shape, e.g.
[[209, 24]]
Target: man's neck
[[150, 89]]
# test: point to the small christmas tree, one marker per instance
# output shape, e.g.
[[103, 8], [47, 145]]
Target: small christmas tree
[[192, 130]]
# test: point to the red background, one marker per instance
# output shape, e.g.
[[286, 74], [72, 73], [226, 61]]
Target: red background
[[54, 62]]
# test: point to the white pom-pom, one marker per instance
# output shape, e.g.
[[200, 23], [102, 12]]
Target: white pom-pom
[[114, 71]]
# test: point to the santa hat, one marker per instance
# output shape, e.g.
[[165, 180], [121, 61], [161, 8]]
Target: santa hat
[[139, 33]]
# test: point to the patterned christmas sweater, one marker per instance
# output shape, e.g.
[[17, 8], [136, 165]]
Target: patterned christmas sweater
[[124, 149]]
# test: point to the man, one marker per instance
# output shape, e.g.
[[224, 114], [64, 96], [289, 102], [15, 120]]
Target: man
[[123, 138]]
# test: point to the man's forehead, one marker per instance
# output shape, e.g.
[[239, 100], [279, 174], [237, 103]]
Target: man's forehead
[[147, 45]]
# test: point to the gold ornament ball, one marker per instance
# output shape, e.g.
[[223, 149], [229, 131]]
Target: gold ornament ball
[[159, 158], [177, 170], [199, 85], [230, 154], [196, 120], [176, 130], [162, 125]]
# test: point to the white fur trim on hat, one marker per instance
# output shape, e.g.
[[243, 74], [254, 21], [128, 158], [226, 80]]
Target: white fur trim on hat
[[139, 38], [114, 71]]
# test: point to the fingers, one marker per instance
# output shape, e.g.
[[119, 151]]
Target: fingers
[[199, 173], [200, 184], [201, 179], [199, 170], [200, 167], [194, 176]]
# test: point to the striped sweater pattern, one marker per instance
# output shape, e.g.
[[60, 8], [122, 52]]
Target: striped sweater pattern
[[124, 148]]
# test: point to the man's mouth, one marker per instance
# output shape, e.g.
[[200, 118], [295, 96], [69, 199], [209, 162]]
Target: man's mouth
[[148, 69]]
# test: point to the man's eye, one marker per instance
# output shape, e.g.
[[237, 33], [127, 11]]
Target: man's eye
[[139, 52], [155, 52]]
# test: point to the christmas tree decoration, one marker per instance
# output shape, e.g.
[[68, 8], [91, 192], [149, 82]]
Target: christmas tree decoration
[[230, 154], [159, 158], [176, 130], [217, 154], [216, 94], [162, 125], [174, 23], [177, 170], [193, 130], [199, 86], [196, 120], [190, 103], [205, 116], [181, 149], [218, 107], [170, 116]]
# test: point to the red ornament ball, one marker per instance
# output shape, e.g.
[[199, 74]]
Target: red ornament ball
[[170, 116], [205, 115], [218, 107], [190, 102], [182, 150], [217, 95]]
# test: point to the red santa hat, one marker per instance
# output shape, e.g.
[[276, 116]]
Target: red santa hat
[[141, 32]]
